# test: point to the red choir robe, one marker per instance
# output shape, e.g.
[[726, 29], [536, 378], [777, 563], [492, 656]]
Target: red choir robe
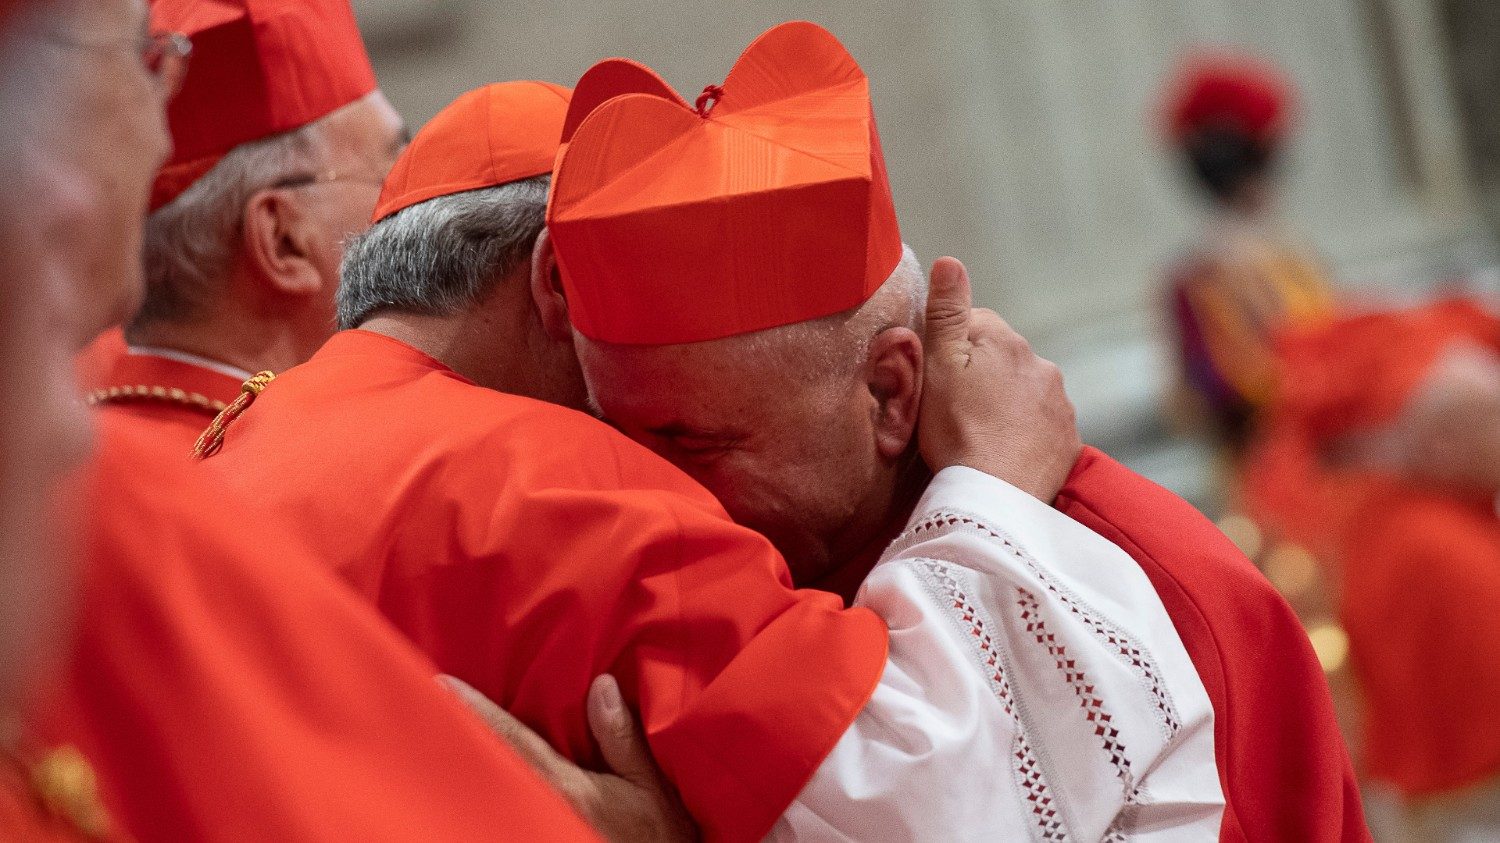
[[169, 401], [1283, 766], [226, 687], [1421, 583], [1418, 564], [527, 548], [93, 364]]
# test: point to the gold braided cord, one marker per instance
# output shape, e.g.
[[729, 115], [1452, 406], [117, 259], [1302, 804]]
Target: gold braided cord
[[158, 394], [213, 438]]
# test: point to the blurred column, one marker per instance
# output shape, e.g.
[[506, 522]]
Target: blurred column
[[1471, 31]]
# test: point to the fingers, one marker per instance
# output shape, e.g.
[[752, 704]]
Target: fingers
[[528, 744], [949, 300], [620, 739]]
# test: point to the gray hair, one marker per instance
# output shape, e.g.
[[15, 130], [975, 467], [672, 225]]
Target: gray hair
[[191, 242], [836, 345], [442, 256]]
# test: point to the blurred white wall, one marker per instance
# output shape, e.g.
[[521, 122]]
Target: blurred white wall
[[1022, 137]]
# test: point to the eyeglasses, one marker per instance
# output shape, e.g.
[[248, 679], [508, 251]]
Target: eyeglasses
[[328, 177], [163, 55]]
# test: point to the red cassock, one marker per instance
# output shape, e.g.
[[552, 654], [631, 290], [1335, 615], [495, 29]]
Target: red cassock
[[1418, 564], [169, 402], [1426, 565], [1283, 766], [527, 548], [226, 687]]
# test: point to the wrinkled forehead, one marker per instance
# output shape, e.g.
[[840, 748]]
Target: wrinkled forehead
[[708, 382]]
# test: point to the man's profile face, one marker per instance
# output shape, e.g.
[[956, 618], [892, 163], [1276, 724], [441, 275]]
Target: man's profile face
[[363, 140], [790, 457], [113, 129]]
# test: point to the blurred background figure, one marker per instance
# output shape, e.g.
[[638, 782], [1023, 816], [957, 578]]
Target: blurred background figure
[[1246, 276], [267, 179], [1382, 455], [44, 430]]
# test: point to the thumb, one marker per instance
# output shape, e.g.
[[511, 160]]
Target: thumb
[[949, 300], [620, 739]]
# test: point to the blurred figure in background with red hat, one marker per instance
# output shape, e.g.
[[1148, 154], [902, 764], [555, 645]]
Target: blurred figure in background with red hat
[[281, 141], [1382, 454], [1229, 117]]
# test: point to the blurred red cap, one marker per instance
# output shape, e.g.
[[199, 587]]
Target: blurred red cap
[[1229, 90], [1360, 372], [259, 68]]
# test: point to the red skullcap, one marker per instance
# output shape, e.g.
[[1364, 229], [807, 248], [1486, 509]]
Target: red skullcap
[[490, 136]]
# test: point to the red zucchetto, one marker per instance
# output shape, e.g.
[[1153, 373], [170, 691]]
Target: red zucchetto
[[500, 133], [1231, 91]]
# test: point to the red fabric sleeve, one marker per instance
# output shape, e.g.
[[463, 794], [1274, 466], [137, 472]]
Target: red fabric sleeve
[[742, 683], [1283, 766]]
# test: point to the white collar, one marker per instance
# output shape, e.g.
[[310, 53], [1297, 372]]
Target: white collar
[[191, 360]]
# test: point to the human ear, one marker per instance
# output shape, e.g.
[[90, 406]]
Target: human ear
[[547, 290], [893, 375], [279, 241]]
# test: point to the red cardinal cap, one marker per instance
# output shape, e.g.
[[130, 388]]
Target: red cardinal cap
[[765, 205], [1361, 371], [1229, 90], [259, 68], [490, 136]]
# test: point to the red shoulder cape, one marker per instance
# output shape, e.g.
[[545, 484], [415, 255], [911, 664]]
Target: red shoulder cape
[[1282, 763]]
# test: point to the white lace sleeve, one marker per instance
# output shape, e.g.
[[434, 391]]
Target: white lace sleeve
[[1036, 690]]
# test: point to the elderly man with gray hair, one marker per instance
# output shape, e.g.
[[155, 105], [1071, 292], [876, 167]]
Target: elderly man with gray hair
[[450, 235], [268, 179]]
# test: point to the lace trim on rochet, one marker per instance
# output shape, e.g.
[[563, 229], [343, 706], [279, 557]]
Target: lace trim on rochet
[[1120, 643], [973, 626]]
